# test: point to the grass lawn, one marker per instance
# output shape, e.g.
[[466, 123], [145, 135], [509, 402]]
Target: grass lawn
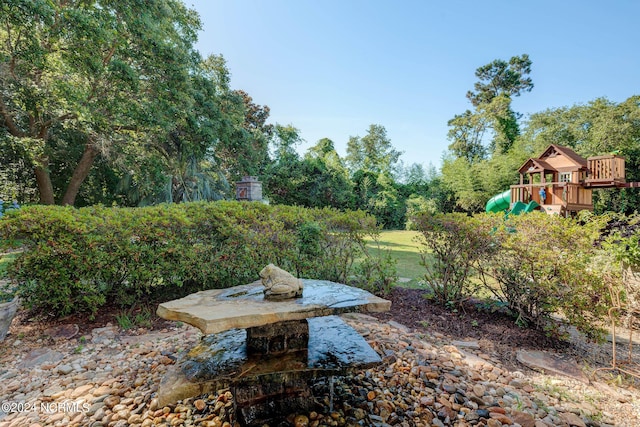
[[405, 250]]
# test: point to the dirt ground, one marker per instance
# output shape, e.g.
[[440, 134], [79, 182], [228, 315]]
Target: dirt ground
[[410, 308], [499, 333]]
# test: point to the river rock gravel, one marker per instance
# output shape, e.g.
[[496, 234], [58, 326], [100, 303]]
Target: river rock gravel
[[109, 377]]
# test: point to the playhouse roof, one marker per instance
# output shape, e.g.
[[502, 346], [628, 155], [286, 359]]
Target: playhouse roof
[[540, 164], [535, 165], [567, 152]]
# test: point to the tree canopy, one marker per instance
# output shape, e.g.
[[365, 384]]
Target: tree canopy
[[373, 152], [117, 73]]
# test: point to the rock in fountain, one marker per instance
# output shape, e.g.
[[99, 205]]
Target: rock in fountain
[[266, 350]]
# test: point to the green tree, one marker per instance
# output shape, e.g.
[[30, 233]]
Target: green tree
[[16, 172], [323, 148], [107, 69], [464, 179], [423, 191], [498, 82], [284, 176], [181, 164], [439, 192], [319, 179], [476, 170], [328, 178], [246, 151], [501, 77], [372, 152], [378, 194], [466, 133]]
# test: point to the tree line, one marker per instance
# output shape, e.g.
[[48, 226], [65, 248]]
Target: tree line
[[109, 102]]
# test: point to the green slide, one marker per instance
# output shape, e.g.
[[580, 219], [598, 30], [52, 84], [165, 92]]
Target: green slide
[[531, 206], [499, 202], [519, 208], [502, 202]]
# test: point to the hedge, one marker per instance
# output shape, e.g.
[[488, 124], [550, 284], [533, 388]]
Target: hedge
[[77, 260]]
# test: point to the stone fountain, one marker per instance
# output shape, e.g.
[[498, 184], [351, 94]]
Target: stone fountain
[[266, 341]]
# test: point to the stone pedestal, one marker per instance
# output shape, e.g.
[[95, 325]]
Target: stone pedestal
[[263, 400], [267, 351], [278, 337], [222, 360]]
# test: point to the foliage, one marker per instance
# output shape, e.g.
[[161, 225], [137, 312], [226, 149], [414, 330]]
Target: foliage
[[317, 180], [501, 77], [620, 240], [75, 260], [245, 151], [126, 319], [102, 69], [106, 97], [465, 181], [498, 82], [466, 133], [379, 195], [541, 267], [624, 242], [452, 245], [417, 205], [537, 265], [372, 152], [377, 274], [402, 246], [16, 171], [474, 169]]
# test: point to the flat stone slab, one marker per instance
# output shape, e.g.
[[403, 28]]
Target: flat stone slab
[[244, 306], [551, 363], [63, 332], [40, 356]]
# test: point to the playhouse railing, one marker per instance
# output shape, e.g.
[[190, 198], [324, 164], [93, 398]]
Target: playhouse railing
[[558, 193], [605, 170]]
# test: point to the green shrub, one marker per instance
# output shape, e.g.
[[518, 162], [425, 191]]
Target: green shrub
[[418, 205], [75, 260], [377, 274], [543, 267], [452, 245]]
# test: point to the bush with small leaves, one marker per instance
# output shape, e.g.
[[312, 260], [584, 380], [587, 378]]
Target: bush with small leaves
[[452, 244], [75, 260], [542, 267]]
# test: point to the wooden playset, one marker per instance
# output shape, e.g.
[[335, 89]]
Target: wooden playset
[[561, 182]]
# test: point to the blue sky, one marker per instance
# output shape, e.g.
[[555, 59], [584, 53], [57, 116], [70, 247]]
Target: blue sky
[[333, 67]]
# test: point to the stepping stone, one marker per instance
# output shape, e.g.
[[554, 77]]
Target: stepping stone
[[466, 344], [103, 335], [40, 356], [63, 332], [551, 363]]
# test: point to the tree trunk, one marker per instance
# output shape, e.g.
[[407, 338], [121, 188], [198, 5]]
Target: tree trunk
[[45, 188], [80, 173]]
